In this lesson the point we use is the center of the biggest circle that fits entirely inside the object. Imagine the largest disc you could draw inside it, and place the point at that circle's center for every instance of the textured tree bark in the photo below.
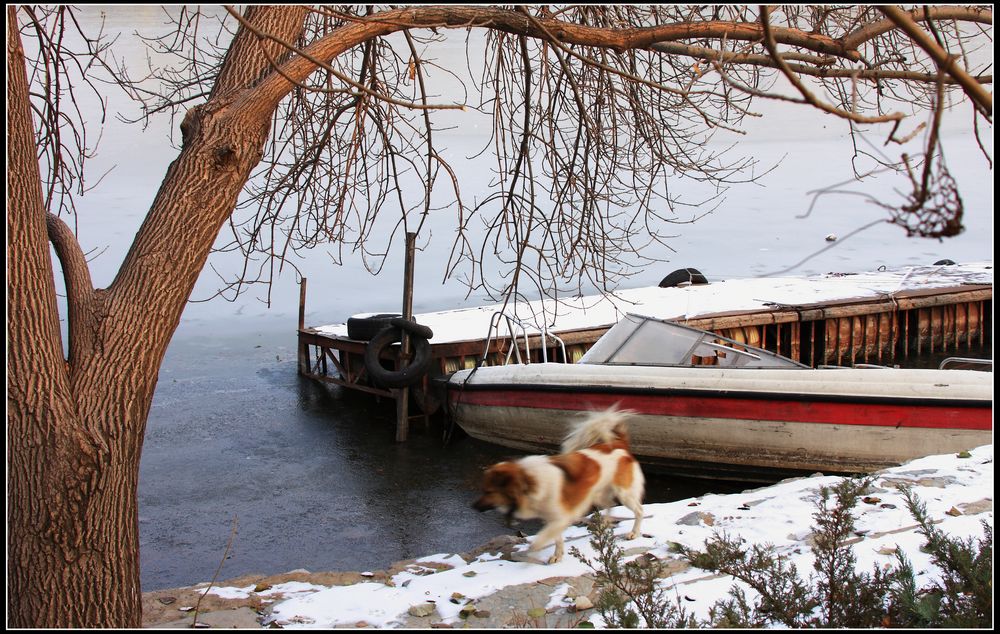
(75, 427)
(55, 464)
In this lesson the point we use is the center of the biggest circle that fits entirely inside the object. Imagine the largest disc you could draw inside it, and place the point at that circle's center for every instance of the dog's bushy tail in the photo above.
(596, 428)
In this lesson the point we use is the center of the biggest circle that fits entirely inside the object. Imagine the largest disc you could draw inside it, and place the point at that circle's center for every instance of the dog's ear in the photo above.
(521, 483)
(498, 478)
(508, 477)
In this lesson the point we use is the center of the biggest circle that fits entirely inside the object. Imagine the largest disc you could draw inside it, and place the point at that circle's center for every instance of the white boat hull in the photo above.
(738, 424)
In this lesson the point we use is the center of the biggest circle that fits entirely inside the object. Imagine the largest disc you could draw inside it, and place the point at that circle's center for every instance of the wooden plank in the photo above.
(353, 386)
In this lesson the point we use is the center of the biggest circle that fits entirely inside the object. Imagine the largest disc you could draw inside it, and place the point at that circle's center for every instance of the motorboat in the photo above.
(705, 405)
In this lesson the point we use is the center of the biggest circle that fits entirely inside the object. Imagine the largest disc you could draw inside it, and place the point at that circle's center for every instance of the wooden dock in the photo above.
(884, 317)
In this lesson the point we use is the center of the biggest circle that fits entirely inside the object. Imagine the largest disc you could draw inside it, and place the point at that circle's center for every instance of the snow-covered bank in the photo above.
(445, 588)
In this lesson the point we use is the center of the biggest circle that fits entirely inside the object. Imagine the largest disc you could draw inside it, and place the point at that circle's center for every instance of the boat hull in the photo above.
(717, 424)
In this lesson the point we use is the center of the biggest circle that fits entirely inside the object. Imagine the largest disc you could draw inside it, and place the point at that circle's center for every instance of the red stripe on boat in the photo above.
(870, 414)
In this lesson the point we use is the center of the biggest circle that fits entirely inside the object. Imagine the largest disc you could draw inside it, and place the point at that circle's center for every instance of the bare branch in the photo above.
(871, 30)
(807, 95)
(80, 294)
(595, 111)
(947, 62)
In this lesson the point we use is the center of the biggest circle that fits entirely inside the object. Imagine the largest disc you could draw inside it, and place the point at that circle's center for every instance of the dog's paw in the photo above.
(554, 559)
(631, 536)
(524, 557)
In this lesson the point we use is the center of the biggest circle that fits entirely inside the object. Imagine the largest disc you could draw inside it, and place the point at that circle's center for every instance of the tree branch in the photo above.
(771, 46)
(362, 89)
(872, 30)
(819, 66)
(297, 69)
(80, 297)
(946, 62)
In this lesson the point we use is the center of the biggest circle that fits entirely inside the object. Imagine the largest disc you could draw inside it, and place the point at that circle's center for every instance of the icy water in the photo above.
(310, 475)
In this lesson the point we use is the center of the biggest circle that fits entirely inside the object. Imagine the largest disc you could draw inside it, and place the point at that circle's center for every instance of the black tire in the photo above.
(365, 328)
(680, 276)
(405, 376)
(944, 263)
(412, 327)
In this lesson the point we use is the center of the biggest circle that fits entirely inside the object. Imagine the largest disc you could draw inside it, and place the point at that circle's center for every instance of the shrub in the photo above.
(964, 595)
(835, 594)
(630, 595)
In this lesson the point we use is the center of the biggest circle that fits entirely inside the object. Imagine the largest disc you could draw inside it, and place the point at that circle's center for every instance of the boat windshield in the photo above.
(639, 340)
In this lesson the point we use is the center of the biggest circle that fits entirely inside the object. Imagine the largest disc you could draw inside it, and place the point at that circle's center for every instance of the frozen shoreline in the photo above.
(485, 589)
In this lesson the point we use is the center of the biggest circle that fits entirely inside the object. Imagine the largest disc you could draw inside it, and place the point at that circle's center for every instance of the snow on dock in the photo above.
(746, 295)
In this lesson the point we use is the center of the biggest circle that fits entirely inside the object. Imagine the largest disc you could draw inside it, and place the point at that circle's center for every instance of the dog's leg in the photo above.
(558, 554)
(551, 533)
(633, 502)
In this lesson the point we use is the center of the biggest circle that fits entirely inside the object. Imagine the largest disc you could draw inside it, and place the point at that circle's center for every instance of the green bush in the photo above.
(630, 595)
(964, 595)
(835, 594)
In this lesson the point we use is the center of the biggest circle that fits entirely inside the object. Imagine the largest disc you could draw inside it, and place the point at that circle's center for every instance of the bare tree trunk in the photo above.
(63, 539)
(75, 428)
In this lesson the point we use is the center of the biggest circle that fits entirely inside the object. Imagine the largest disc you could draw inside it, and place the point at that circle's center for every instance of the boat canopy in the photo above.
(641, 340)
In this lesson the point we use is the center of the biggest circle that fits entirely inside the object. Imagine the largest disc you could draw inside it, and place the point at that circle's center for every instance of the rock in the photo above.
(691, 519)
(583, 603)
(422, 609)
(922, 478)
(980, 506)
(240, 618)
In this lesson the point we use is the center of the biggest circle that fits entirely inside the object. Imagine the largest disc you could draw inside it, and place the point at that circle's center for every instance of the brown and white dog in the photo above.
(594, 469)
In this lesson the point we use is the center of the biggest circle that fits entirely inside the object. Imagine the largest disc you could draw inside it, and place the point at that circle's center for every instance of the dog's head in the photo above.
(504, 486)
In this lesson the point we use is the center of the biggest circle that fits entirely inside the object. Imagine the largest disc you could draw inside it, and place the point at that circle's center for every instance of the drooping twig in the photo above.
(225, 555)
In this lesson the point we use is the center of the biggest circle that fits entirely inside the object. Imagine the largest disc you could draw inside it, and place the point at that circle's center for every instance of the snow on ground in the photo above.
(687, 302)
(957, 491)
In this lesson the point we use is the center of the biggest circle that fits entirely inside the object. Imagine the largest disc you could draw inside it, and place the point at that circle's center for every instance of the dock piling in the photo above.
(403, 394)
(304, 366)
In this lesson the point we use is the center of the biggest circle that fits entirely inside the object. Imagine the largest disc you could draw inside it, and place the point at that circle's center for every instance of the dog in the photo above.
(595, 468)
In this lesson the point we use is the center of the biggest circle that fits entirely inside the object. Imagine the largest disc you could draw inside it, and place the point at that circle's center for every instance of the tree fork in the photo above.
(75, 429)
(55, 465)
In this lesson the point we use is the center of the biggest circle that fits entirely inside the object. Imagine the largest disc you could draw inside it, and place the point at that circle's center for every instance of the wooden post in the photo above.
(403, 394)
(303, 347)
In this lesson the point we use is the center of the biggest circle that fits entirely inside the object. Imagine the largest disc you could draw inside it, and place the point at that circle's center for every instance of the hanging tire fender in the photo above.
(412, 327)
(408, 374)
(683, 277)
